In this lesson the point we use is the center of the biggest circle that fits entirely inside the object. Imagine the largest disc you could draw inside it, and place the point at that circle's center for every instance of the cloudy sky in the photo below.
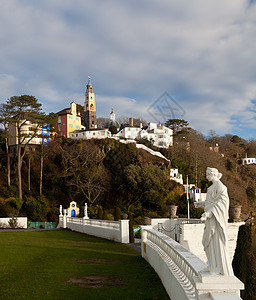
(160, 59)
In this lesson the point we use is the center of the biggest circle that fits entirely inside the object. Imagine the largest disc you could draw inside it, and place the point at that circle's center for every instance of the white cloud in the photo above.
(202, 53)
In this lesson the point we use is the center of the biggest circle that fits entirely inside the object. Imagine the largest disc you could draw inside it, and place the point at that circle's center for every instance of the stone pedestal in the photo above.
(207, 285)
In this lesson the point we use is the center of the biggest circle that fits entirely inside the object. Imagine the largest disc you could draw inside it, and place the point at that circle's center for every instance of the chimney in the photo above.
(131, 121)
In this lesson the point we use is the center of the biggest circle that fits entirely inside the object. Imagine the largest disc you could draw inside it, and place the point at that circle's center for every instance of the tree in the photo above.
(83, 168)
(113, 129)
(145, 185)
(176, 124)
(136, 121)
(101, 122)
(50, 121)
(25, 118)
(244, 264)
(80, 110)
(4, 117)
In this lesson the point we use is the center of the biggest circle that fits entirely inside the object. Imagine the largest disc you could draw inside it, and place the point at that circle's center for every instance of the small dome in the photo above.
(112, 123)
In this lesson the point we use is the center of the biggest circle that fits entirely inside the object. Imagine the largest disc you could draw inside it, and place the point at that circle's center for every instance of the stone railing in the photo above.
(112, 230)
(181, 272)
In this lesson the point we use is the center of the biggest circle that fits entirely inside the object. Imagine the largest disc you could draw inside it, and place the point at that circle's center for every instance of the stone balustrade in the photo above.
(112, 230)
(181, 271)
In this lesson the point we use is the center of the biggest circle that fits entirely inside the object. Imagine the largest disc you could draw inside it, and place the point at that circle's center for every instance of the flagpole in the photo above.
(187, 198)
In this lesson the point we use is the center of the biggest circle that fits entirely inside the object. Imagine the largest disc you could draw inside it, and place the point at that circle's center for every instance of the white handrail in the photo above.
(182, 273)
(182, 262)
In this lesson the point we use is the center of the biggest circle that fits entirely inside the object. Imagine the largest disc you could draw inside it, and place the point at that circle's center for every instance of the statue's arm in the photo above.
(199, 204)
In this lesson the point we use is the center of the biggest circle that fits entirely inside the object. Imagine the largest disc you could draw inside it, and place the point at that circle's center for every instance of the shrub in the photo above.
(100, 213)
(15, 202)
(13, 222)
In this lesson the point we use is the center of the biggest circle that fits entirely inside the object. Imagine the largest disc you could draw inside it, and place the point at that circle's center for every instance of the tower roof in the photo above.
(89, 80)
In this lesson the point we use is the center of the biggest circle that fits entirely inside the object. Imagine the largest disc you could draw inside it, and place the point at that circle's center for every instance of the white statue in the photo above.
(215, 237)
(60, 210)
(85, 212)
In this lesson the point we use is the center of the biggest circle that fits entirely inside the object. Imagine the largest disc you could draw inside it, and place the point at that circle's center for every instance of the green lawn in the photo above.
(41, 264)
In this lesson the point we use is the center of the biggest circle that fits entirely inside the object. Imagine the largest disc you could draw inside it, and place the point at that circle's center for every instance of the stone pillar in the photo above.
(208, 286)
(124, 231)
(65, 218)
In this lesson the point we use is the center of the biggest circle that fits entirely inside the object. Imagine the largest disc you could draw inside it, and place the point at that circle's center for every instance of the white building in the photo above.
(195, 193)
(128, 132)
(90, 134)
(176, 176)
(160, 136)
(248, 161)
(27, 130)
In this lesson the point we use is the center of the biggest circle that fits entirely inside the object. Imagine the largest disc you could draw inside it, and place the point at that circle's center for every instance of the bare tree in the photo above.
(84, 170)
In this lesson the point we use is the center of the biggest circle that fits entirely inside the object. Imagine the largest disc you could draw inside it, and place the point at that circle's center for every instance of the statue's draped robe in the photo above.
(215, 237)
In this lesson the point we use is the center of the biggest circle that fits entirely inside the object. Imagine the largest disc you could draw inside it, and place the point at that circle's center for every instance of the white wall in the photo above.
(112, 230)
(191, 236)
(22, 222)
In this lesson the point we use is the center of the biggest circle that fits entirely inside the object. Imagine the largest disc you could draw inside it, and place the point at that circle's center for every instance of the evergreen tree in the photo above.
(244, 263)
(23, 111)
(250, 282)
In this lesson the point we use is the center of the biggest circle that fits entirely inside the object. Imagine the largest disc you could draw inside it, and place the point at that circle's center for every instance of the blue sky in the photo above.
(200, 53)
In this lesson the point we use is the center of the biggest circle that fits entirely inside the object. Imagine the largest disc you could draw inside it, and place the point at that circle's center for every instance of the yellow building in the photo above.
(68, 121)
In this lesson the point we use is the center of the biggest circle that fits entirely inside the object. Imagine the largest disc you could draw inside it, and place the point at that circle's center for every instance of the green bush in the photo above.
(100, 213)
(15, 202)
(244, 263)
(13, 222)
(250, 282)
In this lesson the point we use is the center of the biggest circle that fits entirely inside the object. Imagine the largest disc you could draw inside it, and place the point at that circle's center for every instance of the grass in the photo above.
(37, 265)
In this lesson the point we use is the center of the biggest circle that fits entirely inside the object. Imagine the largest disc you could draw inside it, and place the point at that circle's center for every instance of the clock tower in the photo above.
(90, 107)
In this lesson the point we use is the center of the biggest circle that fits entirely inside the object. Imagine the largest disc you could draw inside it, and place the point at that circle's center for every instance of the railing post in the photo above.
(65, 219)
(124, 231)
(207, 285)
(144, 239)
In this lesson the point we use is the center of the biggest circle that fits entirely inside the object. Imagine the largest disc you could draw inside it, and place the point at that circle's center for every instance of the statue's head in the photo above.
(213, 174)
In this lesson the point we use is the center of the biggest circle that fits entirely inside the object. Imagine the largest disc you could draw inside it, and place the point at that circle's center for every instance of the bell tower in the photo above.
(90, 107)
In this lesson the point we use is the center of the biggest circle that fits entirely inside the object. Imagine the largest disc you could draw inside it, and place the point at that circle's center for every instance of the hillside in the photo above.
(111, 174)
